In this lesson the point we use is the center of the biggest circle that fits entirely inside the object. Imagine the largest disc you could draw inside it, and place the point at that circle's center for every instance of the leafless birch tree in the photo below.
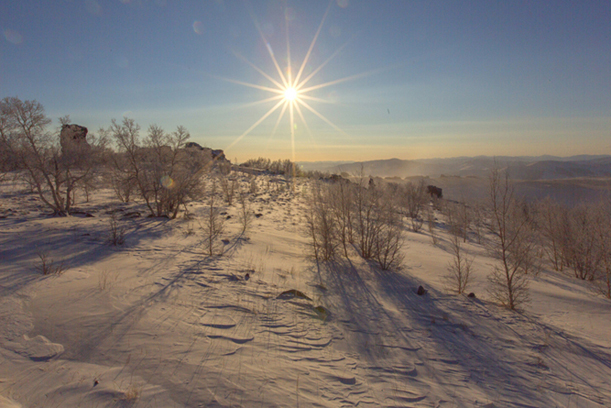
(511, 244)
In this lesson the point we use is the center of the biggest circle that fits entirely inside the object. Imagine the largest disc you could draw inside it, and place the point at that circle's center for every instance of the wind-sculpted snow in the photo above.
(157, 323)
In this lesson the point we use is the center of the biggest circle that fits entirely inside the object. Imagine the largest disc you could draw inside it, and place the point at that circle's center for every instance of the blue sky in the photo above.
(420, 78)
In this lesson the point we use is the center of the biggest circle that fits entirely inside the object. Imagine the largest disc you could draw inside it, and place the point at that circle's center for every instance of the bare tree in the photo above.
(214, 223)
(550, 226)
(7, 163)
(246, 215)
(389, 236)
(165, 173)
(459, 269)
(341, 194)
(602, 232)
(583, 251)
(477, 215)
(229, 185)
(365, 217)
(458, 218)
(511, 243)
(321, 224)
(53, 175)
(414, 199)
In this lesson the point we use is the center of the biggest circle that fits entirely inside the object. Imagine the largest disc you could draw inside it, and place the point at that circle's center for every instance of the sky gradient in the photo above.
(418, 79)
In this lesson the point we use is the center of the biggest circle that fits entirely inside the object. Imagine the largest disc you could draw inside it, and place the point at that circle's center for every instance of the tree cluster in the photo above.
(158, 168)
(368, 218)
(577, 239)
(285, 167)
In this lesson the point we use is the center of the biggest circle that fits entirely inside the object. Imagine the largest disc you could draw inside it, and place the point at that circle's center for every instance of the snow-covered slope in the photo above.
(158, 323)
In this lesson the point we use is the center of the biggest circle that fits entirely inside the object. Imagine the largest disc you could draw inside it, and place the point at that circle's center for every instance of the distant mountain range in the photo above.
(520, 168)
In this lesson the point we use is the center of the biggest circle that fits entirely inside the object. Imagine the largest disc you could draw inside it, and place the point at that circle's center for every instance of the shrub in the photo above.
(47, 266)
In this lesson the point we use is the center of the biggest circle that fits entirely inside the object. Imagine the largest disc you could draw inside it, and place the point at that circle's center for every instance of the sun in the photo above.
(290, 94)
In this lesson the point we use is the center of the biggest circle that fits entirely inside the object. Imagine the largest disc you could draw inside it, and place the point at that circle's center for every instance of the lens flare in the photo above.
(13, 36)
(167, 182)
(198, 27)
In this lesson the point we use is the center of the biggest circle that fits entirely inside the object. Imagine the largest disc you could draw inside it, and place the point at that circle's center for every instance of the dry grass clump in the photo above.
(47, 266)
(132, 394)
(116, 232)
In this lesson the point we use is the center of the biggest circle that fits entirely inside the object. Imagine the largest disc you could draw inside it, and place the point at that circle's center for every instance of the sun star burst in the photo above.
(290, 93)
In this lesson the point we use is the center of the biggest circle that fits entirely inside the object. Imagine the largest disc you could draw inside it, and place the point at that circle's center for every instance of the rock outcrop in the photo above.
(73, 138)
(216, 155)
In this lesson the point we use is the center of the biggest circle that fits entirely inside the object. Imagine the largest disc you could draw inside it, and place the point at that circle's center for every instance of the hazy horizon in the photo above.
(407, 80)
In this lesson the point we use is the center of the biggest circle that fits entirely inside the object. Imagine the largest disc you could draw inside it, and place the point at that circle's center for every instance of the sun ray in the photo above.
(307, 57)
(261, 102)
(311, 75)
(271, 136)
(259, 70)
(314, 98)
(257, 123)
(348, 78)
(269, 47)
(292, 130)
(289, 74)
(321, 116)
(261, 87)
(305, 124)
(335, 82)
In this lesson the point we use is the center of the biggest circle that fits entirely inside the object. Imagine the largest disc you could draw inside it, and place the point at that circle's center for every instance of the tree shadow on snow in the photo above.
(388, 323)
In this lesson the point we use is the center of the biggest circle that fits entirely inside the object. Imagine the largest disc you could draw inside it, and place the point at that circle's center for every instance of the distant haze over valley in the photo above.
(520, 167)
(566, 179)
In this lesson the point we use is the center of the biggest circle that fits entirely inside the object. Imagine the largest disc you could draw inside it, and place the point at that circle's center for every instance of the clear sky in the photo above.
(399, 78)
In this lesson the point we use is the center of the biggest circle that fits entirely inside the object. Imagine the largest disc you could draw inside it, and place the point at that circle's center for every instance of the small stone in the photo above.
(247, 276)
(471, 295)
(421, 291)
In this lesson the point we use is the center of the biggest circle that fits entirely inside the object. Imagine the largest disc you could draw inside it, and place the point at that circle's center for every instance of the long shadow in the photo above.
(472, 349)
(118, 324)
(361, 310)
(445, 342)
(73, 246)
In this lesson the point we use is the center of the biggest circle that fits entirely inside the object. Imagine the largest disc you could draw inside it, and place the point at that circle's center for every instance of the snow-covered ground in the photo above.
(158, 323)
